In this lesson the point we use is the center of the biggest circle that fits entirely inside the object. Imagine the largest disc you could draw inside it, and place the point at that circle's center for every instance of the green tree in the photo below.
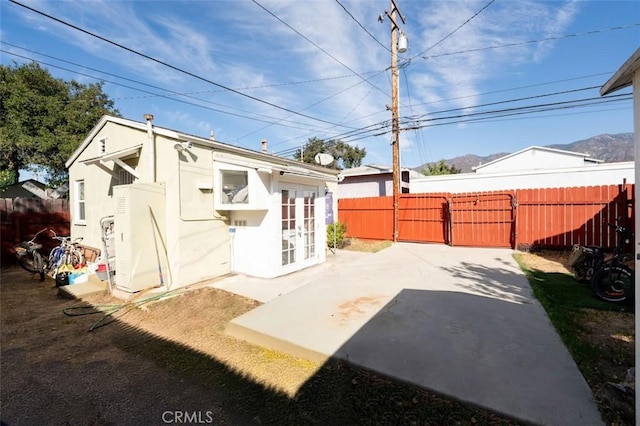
(345, 156)
(439, 168)
(44, 119)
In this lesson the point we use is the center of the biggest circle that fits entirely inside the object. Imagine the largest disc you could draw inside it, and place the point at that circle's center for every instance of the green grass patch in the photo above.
(570, 305)
(368, 246)
(564, 299)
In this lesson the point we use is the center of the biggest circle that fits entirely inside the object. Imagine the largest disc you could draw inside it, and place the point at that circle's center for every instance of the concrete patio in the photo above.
(459, 321)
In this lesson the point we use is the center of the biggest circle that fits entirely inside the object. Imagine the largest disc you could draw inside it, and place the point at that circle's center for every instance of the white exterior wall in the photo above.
(535, 159)
(601, 174)
(257, 247)
(196, 237)
(366, 186)
(99, 201)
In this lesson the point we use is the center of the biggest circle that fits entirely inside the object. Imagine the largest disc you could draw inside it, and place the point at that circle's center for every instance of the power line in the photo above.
(362, 26)
(511, 100)
(315, 104)
(456, 30)
(421, 148)
(496, 91)
(531, 41)
(513, 113)
(166, 96)
(173, 67)
(379, 128)
(532, 108)
(518, 88)
(315, 45)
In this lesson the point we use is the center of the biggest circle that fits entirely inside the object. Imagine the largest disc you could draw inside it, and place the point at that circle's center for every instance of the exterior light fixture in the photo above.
(181, 146)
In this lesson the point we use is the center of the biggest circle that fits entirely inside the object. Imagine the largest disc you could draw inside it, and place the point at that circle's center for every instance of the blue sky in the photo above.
(300, 69)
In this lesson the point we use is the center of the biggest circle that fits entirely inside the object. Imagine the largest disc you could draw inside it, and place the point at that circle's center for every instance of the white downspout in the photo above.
(151, 148)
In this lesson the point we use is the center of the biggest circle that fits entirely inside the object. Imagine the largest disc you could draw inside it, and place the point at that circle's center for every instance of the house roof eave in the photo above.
(181, 136)
(624, 76)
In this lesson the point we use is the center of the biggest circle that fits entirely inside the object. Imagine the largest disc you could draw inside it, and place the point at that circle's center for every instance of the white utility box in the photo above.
(139, 233)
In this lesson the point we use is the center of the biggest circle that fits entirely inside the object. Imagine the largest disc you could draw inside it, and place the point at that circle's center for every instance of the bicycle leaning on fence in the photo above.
(29, 257)
(67, 255)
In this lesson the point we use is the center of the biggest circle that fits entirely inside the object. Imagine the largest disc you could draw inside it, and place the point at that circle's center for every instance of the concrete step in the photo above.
(77, 291)
(260, 339)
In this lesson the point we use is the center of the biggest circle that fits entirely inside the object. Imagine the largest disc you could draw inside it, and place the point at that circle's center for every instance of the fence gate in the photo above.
(484, 220)
(423, 218)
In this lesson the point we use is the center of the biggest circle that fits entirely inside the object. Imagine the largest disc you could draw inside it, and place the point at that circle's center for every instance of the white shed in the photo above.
(187, 208)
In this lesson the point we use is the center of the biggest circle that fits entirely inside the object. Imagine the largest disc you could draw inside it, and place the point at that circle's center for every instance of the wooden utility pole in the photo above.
(395, 127)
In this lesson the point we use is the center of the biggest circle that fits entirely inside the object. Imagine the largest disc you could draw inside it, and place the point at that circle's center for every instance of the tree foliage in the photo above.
(439, 168)
(345, 156)
(44, 119)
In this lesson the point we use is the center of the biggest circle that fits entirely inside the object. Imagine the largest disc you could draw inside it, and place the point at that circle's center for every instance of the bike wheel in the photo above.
(39, 262)
(33, 263)
(54, 260)
(613, 283)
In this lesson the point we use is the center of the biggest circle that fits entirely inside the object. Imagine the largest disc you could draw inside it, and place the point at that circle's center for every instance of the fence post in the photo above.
(514, 217)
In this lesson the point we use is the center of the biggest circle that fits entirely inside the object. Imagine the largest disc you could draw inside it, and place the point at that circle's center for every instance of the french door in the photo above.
(298, 225)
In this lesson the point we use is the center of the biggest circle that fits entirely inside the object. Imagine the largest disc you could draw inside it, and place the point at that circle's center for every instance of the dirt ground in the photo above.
(162, 361)
(168, 361)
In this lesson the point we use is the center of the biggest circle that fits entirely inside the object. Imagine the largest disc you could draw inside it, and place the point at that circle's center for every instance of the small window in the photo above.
(235, 187)
(103, 146)
(80, 212)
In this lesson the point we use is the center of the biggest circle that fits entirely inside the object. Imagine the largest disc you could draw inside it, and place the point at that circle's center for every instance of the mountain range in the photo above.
(611, 148)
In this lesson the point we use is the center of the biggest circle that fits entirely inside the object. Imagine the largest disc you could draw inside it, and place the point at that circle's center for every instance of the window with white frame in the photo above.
(235, 187)
(80, 212)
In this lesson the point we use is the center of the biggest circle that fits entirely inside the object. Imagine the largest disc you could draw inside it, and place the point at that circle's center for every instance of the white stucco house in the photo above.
(186, 208)
(372, 180)
(533, 167)
(537, 158)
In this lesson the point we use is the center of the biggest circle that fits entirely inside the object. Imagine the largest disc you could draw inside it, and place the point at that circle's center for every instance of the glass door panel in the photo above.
(309, 226)
(288, 226)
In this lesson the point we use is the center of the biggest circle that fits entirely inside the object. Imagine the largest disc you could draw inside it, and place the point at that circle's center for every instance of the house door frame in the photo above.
(299, 226)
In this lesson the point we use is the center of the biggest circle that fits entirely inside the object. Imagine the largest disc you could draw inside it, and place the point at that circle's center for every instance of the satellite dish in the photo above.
(324, 159)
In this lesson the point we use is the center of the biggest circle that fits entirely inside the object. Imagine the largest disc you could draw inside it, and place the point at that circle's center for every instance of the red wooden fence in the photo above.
(555, 217)
(368, 218)
(561, 217)
(21, 218)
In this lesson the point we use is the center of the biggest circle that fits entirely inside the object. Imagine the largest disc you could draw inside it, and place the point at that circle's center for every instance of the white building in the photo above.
(533, 167)
(186, 208)
(537, 158)
(373, 180)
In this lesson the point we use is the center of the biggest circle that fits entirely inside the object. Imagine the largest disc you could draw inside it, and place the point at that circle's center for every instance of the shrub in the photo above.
(338, 230)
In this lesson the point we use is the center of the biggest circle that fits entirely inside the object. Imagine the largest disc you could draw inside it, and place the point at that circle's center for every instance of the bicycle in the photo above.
(29, 257)
(614, 281)
(66, 253)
